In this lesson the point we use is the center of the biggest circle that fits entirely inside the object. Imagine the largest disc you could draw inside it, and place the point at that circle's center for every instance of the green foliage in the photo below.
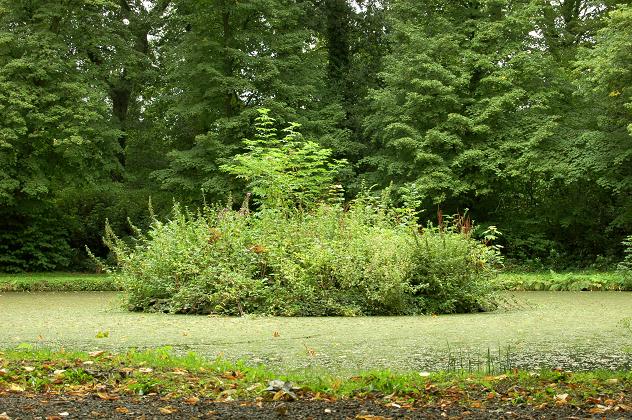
(284, 172)
(33, 239)
(54, 126)
(88, 209)
(368, 259)
(55, 282)
(517, 110)
(575, 281)
(625, 266)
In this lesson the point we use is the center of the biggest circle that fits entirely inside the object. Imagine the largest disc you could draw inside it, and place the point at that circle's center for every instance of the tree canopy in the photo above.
(518, 110)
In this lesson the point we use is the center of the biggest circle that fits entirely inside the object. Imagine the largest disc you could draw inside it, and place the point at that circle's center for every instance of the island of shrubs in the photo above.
(302, 251)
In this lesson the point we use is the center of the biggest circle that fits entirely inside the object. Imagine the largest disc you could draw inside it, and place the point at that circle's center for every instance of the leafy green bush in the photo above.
(33, 237)
(574, 281)
(366, 259)
(87, 210)
(625, 266)
(284, 172)
(302, 254)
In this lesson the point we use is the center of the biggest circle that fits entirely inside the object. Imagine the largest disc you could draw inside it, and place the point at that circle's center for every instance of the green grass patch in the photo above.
(571, 281)
(56, 282)
(159, 371)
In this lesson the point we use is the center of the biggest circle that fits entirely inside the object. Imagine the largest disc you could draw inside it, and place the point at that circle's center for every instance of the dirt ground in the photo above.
(56, 407)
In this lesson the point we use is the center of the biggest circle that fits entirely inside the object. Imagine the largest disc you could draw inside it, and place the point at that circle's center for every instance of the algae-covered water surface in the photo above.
(573, 330)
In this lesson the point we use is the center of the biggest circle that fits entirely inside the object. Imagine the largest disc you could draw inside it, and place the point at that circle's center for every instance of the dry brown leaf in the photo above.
(107, 397)
(122, 410)
(168, 410)
(4, 416)
(561, 398)
(232, 374)
(15, 388)
(476, 404)
(371, 417)
(192, 400)
(96, 353)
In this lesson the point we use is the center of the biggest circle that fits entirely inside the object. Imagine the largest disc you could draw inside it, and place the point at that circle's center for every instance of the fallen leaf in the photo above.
(192, 400)
(145, 370)
(3, 372)
(4, 416)
(232, 374)
(15, 388)
(29, 368)
(88, 363)
(168, 410)
(476, 404)
(102, 334)
(64, 414)
(122, 410)
(253, 387)
(107, 397)
(59, 372)
(596, 410)
(96, 353)
(561, 398)
(424, 374)
(370, 417)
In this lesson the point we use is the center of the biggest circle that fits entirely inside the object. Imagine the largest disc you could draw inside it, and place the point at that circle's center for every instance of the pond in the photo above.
(571, 330)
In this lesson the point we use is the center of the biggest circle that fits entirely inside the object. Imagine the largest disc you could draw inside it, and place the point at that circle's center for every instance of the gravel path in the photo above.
(52, 407)
(574, 330)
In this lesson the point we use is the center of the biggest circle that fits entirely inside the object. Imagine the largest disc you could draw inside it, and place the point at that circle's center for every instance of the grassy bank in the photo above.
(570, 281)
(111, 376)
(516, 281)
(56, 282)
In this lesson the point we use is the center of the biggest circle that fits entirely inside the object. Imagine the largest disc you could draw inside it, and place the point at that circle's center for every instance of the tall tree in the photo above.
(226, 58)
(55, 126)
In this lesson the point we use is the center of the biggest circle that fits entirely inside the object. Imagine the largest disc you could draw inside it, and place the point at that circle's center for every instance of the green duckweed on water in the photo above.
(573, 330)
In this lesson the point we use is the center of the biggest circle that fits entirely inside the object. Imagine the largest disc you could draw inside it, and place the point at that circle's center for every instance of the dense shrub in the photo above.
(625, 267)
(33, 237)
(365, 259)
(87, 209)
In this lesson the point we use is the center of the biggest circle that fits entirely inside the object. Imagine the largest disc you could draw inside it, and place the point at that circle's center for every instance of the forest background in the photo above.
(519, 111)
